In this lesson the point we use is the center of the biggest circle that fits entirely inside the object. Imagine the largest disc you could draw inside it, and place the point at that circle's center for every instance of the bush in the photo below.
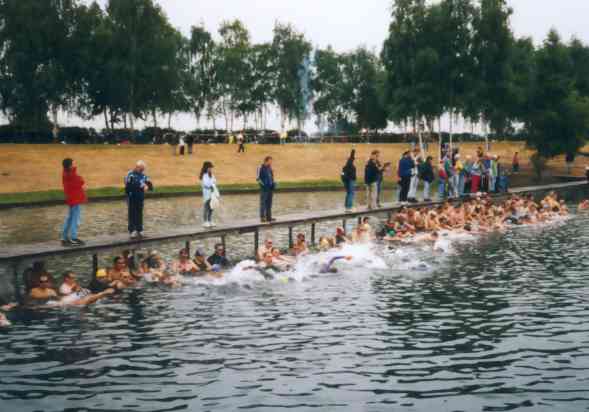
(539, 164)
(14, 134)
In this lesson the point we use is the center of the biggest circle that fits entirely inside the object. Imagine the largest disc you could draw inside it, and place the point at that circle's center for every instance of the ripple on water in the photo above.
(499, 324)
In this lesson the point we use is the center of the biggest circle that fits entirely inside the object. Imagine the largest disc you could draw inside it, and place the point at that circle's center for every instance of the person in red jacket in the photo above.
(75, 196)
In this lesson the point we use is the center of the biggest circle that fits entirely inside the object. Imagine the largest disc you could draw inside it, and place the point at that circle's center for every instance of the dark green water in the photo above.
(501, 323)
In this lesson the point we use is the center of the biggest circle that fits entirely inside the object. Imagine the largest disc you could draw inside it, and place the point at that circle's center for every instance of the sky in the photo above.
(347, 24)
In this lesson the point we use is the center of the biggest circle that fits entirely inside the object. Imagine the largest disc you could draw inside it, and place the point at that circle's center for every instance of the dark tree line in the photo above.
(460, 57)
(455, 58)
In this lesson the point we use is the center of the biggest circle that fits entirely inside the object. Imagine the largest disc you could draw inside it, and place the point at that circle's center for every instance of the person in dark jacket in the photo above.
(75, 196)
(428, 177)
(136, 184)
(218, 259)
(406, 166)
(349, 180)
(267, 185)
(371, 176)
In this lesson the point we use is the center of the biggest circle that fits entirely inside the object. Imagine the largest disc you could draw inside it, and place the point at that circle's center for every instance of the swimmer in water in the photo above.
(584, 205)
(328, 267)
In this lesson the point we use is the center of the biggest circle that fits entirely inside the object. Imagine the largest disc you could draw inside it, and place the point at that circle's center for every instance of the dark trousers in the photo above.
(266, 204)
(182, 150)
(135, 207)
(405, 184)
(241, 148)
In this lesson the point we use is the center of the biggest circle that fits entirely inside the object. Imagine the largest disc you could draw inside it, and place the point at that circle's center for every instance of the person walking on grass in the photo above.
(349, 180)
(265, 178)
(136, 184)
(75, 195)
(210, 193)
(241, 142)
(371, 176)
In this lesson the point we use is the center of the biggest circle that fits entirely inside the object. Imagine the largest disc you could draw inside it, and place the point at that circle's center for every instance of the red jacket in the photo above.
(73, 188)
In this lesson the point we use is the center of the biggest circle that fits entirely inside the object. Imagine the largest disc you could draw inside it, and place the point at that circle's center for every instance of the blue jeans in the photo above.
(207, 214)
(266, 204)
(442, 188)
(350, 192)
(72, 221)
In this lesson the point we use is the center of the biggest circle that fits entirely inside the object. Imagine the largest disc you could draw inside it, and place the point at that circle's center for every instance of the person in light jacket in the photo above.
(209, 191)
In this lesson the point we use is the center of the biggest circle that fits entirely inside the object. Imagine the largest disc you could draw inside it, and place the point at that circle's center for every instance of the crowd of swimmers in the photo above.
(474, 215)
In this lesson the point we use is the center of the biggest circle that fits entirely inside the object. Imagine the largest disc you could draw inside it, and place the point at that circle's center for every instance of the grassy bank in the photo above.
(37, 168)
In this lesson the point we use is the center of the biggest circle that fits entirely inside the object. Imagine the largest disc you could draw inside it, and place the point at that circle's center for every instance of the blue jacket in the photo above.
(406, 166)
(266, 178)
(135, 183)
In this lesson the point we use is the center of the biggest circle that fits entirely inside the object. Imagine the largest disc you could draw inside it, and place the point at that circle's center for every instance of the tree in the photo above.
(201, 81)
(493, 46)
(328, 84)
(291, 52)
(263, 80)
(362, 73)
(37, 39)
(558, 121)
(232, 70)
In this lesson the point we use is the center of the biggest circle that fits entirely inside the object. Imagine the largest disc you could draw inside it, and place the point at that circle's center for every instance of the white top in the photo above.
(209, 185)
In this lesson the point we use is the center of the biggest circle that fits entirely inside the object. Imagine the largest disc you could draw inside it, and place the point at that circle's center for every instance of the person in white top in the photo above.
(210, 193)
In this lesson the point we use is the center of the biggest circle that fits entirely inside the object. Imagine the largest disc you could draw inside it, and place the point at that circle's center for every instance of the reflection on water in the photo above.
(498, 324)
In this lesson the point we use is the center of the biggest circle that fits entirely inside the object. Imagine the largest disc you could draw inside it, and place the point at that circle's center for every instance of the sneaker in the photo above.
(212, 224)
(349, 210)
(134, 235)
(66, 243)
(78, 242)
(271, 220)
(263, 220)
(206, 224)
(140, 235)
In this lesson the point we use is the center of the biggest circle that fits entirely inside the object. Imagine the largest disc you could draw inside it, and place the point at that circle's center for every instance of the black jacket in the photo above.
(349, 171)
(427, 172)
(371, 172)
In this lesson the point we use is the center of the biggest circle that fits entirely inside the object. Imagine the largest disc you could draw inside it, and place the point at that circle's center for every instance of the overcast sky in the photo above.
(346, 24)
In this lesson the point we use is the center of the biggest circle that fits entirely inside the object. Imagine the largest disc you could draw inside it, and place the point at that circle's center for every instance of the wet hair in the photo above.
(68, 275)
(365, 219)
(114, 261)
(67, 164)
(205, 169)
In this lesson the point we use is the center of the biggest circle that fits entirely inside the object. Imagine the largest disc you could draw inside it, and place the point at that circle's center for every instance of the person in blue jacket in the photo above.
(406, 166)
(267, 185)
(136, 184)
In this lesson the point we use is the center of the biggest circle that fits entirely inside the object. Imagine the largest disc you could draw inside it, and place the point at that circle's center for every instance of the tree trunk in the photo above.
(451, 131)
(105, 119)
(170, 120)
(487, 146)
(112, 121)
(154, 114)
(440, 137)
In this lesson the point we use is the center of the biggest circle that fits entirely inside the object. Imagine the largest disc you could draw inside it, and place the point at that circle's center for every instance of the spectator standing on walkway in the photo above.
(414, 183)
(371, 176)
(265, 178)
(349, 177)
(427, 175)
(210, 193)
(75, 196)
(136, 184)
(406, 166)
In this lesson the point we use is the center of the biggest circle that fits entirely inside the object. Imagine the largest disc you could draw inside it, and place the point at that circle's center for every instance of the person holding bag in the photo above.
(210, 193)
